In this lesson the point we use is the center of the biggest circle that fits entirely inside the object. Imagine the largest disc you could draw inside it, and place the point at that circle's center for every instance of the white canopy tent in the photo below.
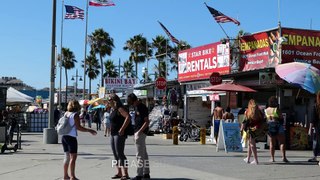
(16, 97)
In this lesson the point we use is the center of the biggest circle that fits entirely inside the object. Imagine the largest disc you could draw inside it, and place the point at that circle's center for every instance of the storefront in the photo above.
(195, 68)
(260, 54)
(154, 96)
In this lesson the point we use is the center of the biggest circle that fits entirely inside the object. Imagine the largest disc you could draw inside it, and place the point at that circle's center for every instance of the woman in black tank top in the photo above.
(119, 119)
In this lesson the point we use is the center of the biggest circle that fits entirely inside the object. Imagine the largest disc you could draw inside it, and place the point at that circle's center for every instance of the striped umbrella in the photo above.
(301, 74)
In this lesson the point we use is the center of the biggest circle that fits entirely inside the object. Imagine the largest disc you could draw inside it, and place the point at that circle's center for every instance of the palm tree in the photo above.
(162, 70)
(68, 62)
(161, 45)
(183, 45)
(127, 69)
(93, 67)
(102, 44)
(110, 69)
(138, 47)
(145, 78)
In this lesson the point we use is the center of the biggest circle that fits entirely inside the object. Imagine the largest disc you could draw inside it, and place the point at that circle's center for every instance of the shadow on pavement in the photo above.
(291, 163)
(194, 156)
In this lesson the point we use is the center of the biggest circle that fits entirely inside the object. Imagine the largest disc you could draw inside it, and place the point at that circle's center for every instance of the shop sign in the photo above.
(301, 46)
(229, 137)
(215, 78)
(262, 50)
(119, 83)
(257, 51)
(198, 63)
(214, 97)
(161, 83)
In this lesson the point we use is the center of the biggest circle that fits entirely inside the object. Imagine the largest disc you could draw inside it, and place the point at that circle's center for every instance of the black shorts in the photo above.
(70, 144)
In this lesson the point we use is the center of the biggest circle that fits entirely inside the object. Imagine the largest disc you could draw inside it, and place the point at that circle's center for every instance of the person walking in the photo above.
(97, 118)
(90, 115)
(69, 141)
(314, 129)
(228, 116)
(106, 121)
(276, 128)
(82, 116)
(119, 121)
(253, 126)
(141, 129)
(217, 117)
(56, 115)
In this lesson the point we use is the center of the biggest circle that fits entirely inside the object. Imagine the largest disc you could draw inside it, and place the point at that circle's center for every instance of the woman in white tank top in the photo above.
(69, 141)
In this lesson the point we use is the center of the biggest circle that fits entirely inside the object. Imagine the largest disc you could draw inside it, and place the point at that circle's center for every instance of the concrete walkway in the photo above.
(188, 160)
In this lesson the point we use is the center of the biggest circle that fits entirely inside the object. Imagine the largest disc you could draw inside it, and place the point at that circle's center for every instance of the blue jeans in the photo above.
(117, 146)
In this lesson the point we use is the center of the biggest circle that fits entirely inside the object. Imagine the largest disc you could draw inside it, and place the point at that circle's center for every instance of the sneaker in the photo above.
(285, 160)
(314, 159)
(254, 162)
(246, 160)
(146, 177)
(137, 178)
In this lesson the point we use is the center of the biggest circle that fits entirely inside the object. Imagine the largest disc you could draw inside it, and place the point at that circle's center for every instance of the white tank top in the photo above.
(73, 131)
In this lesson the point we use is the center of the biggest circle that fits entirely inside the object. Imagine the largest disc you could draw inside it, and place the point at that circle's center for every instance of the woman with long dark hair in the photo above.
(119, 119)
(276, 128)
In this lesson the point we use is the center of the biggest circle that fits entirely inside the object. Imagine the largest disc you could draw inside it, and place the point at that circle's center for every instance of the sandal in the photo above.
(116, 177)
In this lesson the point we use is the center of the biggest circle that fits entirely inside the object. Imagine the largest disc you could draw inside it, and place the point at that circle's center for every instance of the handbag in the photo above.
(245, 124)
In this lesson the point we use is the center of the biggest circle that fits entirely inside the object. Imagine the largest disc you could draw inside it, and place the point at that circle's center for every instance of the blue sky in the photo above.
(25, 31)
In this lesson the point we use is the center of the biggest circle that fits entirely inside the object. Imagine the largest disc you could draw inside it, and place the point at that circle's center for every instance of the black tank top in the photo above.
(117, 121)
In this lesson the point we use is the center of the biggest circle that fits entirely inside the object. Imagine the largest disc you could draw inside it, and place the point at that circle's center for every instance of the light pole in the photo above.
(61, 57)
(75, 77)
(50, 136)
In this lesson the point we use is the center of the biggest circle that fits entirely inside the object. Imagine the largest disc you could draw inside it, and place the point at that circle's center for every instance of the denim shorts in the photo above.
(275, 128)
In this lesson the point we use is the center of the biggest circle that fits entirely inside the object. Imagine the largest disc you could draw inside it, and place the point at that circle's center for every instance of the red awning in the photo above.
(229, 87)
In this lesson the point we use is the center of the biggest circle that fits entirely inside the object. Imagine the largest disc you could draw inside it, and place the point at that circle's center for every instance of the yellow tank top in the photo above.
(272, 114)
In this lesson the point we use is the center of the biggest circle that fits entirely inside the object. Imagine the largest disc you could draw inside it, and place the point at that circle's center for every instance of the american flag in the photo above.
(221, 18)
(173, 39)
(73, 12)
(101, 3)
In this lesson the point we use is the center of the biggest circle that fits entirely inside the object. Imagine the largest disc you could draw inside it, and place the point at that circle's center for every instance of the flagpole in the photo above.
(279, 44)
(279, 11)
(60, 64)
(224, 31)
(85, 53)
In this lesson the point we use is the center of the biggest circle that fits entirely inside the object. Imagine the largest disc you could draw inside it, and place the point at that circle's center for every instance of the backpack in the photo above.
(63, 127)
